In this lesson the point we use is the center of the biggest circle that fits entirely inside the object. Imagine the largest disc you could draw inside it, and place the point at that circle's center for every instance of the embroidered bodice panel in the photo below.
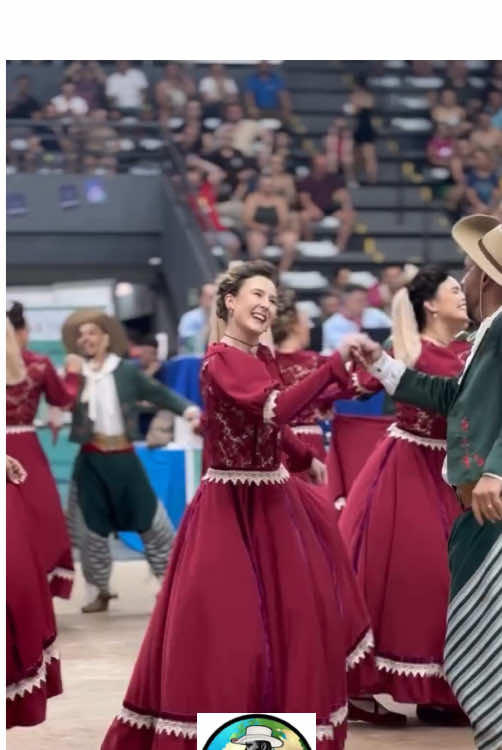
(41, 379)
(235, 386)
(445, 361)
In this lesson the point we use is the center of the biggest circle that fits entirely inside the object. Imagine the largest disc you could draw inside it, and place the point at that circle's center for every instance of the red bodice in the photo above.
(293, 367)
(446, 361)
(235, 386)
(41, 379)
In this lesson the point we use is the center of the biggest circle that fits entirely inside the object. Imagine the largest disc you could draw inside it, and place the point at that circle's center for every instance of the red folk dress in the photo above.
(259, 610)
(396, 524)
(43, 505)
(32, 663)
(293, 367)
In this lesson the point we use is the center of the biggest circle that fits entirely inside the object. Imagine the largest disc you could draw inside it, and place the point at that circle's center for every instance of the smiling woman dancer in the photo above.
(259, 610)
(400, 512)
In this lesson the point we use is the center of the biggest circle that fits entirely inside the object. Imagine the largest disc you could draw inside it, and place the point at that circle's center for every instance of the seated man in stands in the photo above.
(266, 94)
(193, 325)
(478, 191)
(354, 316)
(323, 193)
(22, 104)
(126, 88)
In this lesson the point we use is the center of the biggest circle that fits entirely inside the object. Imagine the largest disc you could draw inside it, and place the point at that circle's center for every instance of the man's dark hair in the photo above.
(150, 340)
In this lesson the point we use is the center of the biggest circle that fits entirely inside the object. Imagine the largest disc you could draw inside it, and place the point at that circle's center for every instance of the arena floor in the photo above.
(98, 652)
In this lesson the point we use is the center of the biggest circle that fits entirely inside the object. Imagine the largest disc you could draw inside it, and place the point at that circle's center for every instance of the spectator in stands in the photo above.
(361, 105)
(479, 191)
(457, 79)
(101, 141)
(203, 179)
(67, 103)
(449, 112)
(216, 90)
(495, 107)
(189, 140)
(193, 112)
(495, 80)
(127, 88)
(354, 316)
(33, 155)
(339, 149)
(282, 182)
(173, 91)
(341, 279)
(89, 79)
(485, 135)
(441, 147)
(22, 104)
(246, 132)
(266, 94)
(330, 304)
(267, 221)
(232, 162)
(322, 194)
(193, 328)
(392, 278)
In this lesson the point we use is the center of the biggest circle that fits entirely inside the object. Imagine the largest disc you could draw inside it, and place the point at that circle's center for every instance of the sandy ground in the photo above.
(98, 653)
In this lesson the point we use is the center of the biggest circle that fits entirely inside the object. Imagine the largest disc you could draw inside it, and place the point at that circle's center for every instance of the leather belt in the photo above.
(109, 443)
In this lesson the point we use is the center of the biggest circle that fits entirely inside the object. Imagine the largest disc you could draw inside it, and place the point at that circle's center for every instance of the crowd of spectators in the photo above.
(253, 184)
(465, 149)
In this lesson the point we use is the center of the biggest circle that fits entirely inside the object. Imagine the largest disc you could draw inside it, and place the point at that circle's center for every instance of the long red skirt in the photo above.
(396, 525)
(259, 612)
(44, 512)
(32, 665)
(353, 439)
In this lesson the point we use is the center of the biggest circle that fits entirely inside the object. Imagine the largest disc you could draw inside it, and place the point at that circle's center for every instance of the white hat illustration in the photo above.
(257, 733)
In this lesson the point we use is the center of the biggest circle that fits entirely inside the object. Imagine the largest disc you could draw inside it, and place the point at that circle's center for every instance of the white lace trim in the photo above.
(363, 647)
(68, 575)
(434, 443)
(408, 668)
(30, 684)
(269, 407)
(339, 716)
(340, 503)
(307, 429)
(18, 429)
(361, 390)
(236, 476)
(160, 726)
(324, 732)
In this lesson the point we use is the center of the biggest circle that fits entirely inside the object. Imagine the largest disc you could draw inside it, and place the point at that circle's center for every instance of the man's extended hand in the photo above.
(487, 500)
(355, 342)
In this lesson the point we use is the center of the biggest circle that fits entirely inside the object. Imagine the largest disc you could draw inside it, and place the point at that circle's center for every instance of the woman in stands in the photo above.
(267, 221)
(361, 105)
(32, 665)
(41, 494)
(399, 514)
(259, 610)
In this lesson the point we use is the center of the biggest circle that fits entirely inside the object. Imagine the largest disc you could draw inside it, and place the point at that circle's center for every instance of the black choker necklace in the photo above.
(234, 338)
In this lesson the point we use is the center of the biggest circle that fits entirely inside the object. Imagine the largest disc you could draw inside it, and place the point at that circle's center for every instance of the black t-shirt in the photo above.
(24, 108)
(231, 161)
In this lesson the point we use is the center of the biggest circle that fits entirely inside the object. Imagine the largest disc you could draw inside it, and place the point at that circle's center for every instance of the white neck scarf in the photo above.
(92, 377)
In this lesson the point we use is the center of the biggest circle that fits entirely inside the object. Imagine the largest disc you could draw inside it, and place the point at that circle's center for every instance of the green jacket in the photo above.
(472, 405)
(132, 386)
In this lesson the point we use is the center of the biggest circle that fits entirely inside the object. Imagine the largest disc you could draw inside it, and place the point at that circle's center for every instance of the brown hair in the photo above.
(286, 317)
(235, 277)
(15, 368)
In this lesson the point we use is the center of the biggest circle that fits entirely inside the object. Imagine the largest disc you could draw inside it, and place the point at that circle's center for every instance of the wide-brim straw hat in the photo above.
(112, 326)
(257, 733)
(480, 237)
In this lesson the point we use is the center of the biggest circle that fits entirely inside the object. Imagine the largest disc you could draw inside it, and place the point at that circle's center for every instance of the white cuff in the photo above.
(495, 476)
(388, 371)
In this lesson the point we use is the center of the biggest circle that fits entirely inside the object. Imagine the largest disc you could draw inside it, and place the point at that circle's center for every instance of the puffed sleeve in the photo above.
(247, 381)
(58, 391)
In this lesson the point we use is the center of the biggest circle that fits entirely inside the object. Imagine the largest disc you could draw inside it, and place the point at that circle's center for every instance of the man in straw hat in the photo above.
(113, 491)
(473, 407)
